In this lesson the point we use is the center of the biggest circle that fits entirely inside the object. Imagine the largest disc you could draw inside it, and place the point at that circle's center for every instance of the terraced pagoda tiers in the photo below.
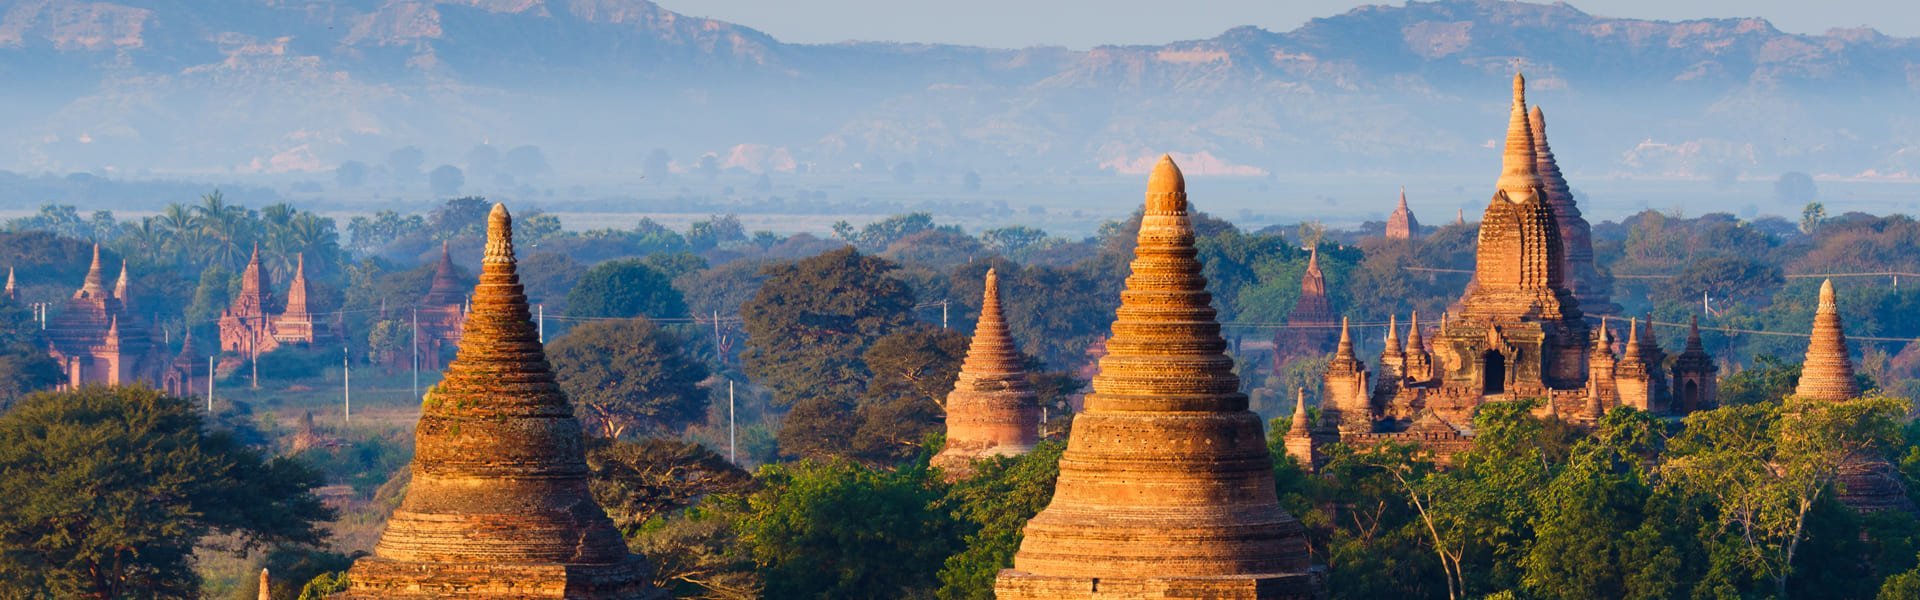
(1166, 488)
(991, 411)
(498, 507)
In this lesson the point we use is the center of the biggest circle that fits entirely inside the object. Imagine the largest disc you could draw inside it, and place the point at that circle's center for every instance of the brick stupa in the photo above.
(1166, 489)
(991, 411)
(1868, 482)
(498, 506)
(1828, 373)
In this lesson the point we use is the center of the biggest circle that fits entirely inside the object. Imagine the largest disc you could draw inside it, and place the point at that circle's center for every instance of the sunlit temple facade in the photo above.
(1519, 331)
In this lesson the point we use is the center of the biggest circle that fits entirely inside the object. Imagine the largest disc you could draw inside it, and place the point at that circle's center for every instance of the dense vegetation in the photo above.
(764, 405)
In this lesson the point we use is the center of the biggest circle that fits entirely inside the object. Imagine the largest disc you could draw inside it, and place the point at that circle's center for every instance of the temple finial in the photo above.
(1519, 171)
(499, 237)
(1166, 187)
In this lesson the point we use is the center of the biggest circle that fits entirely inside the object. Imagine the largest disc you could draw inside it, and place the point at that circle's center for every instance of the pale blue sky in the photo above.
(1085, 23)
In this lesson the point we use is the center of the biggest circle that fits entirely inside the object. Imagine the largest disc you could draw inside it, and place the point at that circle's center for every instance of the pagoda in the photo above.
(1868, 483)
(992, 411)
(246, 326)
(442, 312)
(498, 506)
(1401, 225)
(97, 340)
(1518, 332)
(1166, 488)
(1576, 236)
(1311, 323)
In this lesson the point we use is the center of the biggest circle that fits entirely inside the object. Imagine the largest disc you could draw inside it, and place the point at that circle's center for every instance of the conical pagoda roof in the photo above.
(992, 411)
(499, 471)
(1828, 372)
(1166, 480)
(445, 289)
(95, 285)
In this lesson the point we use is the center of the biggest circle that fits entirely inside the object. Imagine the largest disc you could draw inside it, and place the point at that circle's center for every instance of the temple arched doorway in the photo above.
(1494, 373)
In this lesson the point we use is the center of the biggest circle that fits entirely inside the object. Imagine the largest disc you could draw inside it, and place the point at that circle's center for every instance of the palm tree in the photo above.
(226, 229)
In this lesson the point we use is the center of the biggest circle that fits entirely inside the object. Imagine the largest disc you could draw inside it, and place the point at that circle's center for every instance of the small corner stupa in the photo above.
(1166, 489)
(499, 506)
(991, 410)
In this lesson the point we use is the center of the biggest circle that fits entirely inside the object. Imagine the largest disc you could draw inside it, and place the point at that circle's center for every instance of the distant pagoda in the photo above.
(1401, 225)
(1311, 323)
(1828, 372)
(1166, 488)
(98, 339)
(992, 411)
(1868, 483)
(499, 506)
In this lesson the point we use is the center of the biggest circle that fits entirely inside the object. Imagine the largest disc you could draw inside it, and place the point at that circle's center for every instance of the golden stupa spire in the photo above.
(1344, 352)
(1166, 482)
(1300, 425)
(1828, 372)
(95, 285)
(1519, 170)
(499, 503)
(1415, 342)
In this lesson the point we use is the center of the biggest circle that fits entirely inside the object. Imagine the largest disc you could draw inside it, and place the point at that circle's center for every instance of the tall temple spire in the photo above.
(11, 293)
(95, 286)
(297, 289)
(992, 411)
(1300, 425)
(1166, 488)
(1393, 344)
(1828, 372)
(499, 504)
(1578, 272)
(1519, 169)
(123, 287)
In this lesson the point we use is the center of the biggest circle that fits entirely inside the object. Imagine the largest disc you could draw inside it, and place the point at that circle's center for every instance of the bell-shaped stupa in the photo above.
(1166, 488)
(499, 506)
(991, 411)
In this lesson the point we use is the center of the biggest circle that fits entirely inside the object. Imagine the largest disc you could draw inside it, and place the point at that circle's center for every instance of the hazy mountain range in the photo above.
(183, 87)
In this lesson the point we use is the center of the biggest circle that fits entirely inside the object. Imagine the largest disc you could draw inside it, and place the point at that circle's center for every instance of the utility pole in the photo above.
(253, 347)
(718, 353)
(210, 383)
(346, 379)
(943, 314)
(416, 352)
(733, 452)
(540, 320)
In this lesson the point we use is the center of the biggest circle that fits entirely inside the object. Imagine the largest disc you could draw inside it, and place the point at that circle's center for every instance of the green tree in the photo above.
(639, 481)
(1766, 468)
(813, 320)
(1592, 519)
(839, 530)
(996, 503)
(629, 376)
(109, 490)
(622, 289)
(24, 364)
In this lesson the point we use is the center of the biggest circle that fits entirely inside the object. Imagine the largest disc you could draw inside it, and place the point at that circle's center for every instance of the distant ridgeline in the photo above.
(271, 88)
